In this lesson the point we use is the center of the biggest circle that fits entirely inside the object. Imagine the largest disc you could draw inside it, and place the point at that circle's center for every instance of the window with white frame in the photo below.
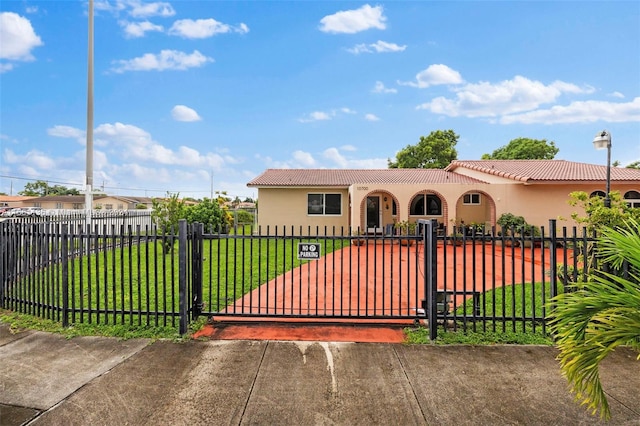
(632, 198)
(324, 204)
(472, 198)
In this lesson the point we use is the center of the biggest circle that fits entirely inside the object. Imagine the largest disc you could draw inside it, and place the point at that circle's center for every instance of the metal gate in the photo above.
(307, 275)
(476, 280)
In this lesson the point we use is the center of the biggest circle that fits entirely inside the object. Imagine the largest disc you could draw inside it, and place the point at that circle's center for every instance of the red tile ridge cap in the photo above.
(500, 173)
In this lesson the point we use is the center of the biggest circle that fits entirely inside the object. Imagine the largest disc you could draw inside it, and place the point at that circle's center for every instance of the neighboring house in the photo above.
(76, 202)
(116, 202)
(14, 200)
(479, 191)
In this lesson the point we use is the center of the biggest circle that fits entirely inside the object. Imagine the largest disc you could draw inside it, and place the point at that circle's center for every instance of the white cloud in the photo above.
(5, 68)
(368, 163)
(435, 74)
(138, 29)
(34, 158)
(31, 9)
(136, 8)
(336, 159)
(616, 95)
(135, 144)
(380, 88)
(331, 158)
(580, 112)
(60, 131)
(315, 116)
(129, 157)
(18, 38)
(304, 158)
(324, 115)
(203, 28)
(371, 117)
(486, 99)
(378, 47)
(143, 10)
(165, 60)
(184, 113)
(333, 155)
(353, 21)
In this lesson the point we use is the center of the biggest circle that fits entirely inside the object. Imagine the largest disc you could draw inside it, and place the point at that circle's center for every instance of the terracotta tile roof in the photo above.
(15, 198)
(347, 177)
(546, 170)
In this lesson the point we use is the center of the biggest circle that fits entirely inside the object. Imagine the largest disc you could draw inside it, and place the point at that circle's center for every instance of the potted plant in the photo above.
(356, 240)
(529, 233)
(457, 237)
(510, 225)
(405, 228)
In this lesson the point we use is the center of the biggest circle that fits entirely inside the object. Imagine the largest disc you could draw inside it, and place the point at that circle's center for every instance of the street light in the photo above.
(602, 141)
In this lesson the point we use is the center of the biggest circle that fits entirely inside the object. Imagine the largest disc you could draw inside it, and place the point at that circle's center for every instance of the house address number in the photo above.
(362, 188)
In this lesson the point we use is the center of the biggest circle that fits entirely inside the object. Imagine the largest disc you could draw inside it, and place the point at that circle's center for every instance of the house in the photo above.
(14, 200)
(76, 202)
(325, 201)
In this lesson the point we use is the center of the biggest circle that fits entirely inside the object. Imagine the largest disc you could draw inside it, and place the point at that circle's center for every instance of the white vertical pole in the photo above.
(88, 195)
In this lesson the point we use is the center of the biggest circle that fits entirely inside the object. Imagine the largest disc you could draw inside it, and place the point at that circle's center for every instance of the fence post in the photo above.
(182, 275)
(196, 270)
(65, 275)
(430, 244)
(553, 257)
(4, 258)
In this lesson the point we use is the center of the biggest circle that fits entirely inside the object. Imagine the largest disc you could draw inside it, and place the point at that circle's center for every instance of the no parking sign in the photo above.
(307, 251)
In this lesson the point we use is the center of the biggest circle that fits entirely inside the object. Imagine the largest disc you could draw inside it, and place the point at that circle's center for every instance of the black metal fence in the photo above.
(133, 275)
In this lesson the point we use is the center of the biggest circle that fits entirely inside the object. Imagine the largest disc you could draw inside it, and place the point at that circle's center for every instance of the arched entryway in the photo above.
(378, 212)
(475, 208)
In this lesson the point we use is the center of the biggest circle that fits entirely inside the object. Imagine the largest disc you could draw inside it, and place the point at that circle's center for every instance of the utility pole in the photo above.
(88, 195)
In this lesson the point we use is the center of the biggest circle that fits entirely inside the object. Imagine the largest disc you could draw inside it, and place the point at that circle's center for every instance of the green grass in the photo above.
(420, 335)
(522, 306)
(20, 322)
(140, 279)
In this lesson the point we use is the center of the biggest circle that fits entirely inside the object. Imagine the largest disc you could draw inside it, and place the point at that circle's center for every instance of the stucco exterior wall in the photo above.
(281, 209)
(537, 203)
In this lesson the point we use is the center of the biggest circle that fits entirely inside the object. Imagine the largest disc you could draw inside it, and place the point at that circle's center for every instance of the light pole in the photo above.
(88, 195)
(602, 141)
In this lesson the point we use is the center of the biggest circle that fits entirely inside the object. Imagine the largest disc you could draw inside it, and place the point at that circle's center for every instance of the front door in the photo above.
(373, 214)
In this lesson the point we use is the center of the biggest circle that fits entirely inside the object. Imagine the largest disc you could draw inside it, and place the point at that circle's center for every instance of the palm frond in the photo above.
(594, 317)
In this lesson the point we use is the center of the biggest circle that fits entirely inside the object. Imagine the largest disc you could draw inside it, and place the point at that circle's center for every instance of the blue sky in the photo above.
(195, 96)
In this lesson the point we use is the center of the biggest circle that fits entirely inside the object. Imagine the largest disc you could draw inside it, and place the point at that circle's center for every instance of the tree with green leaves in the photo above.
(524, 149)
(209, 213)
(596, 216)
(165, 213)
(434, 151)
(634, 165)
(591, 319)
(41, 188)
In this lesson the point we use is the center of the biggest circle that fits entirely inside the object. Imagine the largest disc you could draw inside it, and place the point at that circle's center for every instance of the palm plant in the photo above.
(593, 318)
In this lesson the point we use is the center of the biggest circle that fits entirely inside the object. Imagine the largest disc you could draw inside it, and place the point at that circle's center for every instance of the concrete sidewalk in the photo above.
(47, 379)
